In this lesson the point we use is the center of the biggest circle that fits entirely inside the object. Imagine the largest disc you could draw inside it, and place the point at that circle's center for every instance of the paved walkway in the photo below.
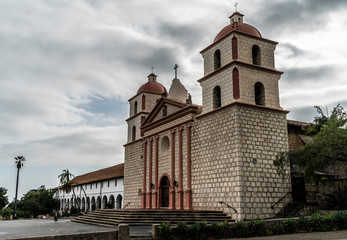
(32, 228)
(44, 227)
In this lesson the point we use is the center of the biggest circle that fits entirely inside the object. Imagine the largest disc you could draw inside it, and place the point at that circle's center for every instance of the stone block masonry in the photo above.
(233, 150)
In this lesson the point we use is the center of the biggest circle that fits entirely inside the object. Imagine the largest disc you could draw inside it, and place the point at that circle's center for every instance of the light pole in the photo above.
(19, 163)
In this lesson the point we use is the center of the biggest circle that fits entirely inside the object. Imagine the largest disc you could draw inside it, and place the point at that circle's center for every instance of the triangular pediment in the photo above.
(170, 106)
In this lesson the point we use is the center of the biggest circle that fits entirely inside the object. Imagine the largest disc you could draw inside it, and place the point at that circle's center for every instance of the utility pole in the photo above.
(19, 163)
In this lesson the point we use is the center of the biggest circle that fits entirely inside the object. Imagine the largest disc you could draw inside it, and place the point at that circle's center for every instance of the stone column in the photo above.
(123, 232)
(188, 191)
(180, 170)
(149, 193)
(143, 196)
(172, 186)
(156, 172)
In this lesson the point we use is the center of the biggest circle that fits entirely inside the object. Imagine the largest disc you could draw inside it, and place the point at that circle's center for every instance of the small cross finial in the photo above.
(152, 69)
(176, 66)
(236, 6)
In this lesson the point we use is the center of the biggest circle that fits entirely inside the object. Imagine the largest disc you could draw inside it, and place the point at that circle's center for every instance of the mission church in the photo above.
(183, 156)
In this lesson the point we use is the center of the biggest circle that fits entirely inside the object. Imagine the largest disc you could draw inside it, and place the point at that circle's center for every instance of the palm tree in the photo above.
(66, 182)
(19, 163)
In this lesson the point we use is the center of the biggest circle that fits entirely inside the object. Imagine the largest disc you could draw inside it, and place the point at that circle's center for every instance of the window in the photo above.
(91, 186)
(259, 93)
(115, 181)
(102, 184)
(164, 111)
(133, 134)
(217, 62)
(216, 97)
(86, 187)
(165, 145)
(108, 183)
(96, 185)
(135, 107)
(234, 48)
(236, 87)
(256, 55)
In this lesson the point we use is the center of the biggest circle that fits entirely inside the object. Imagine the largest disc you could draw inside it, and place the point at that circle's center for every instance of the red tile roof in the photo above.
(297, 123)
(98, 175)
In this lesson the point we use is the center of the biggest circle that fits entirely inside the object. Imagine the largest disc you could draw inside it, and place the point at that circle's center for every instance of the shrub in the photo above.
(338, 199)
(6, 213)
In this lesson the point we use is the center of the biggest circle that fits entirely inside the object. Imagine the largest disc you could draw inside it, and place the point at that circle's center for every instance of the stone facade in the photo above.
(194, 157)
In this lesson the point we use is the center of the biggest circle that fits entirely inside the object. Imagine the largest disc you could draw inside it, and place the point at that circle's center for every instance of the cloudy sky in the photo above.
(67, 69)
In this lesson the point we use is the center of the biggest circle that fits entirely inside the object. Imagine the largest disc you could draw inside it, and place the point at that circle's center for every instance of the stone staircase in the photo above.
(136, 217)
(292, 209)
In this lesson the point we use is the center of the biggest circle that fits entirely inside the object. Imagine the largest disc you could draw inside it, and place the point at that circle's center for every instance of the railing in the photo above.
(221, 202)
(273, 205)
(126, 205)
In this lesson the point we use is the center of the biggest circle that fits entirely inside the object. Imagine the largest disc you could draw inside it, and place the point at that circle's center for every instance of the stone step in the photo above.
(109, 217)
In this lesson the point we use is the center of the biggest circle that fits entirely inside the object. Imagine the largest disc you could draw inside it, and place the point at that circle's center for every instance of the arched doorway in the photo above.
(93, 204)
(119, 202)
(83, 204)
(88, 204)
(98, 201)
(104, 202)
(111, 202)
(164, 192)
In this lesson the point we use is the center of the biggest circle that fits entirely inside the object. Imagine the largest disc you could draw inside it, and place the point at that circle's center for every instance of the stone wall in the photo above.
(316, 192)
(233, 150)
(133, 172)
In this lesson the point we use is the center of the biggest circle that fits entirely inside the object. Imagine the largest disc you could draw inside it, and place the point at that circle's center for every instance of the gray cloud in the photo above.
(309, 74)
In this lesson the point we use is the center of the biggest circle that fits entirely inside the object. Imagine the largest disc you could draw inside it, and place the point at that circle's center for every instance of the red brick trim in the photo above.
(234, 50)
(172, 204)
(236, 87)
(156, 170)
(188, 191)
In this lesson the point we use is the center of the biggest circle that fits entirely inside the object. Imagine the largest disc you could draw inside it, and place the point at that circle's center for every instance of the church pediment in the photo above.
(167, 109)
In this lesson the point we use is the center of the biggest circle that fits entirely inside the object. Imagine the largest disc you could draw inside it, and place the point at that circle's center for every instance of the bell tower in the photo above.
(142, 104)
(242, 126)
(239, 66)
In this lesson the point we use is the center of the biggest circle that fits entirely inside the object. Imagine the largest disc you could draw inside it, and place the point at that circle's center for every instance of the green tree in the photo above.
(66, 183)
(3, 197)
(328, 147)
(35, 202)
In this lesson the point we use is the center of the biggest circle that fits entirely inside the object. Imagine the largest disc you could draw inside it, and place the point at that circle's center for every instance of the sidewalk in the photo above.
(43, 227)
(336, 235)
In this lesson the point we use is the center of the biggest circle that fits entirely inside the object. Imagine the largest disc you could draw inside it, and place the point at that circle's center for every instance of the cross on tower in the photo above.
(152, 69)
(236, 6)
(176, 66)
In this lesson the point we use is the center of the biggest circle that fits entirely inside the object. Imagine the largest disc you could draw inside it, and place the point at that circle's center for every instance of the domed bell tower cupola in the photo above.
(239, 66)
(142, 104)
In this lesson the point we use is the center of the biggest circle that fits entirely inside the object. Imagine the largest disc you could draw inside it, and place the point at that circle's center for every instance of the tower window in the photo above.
(259, 93)
(216, 97)
(234, 48)
(217, 62)
(165, 145)
(164, 111)
(135, 107)
(133, 133)
(256, 55)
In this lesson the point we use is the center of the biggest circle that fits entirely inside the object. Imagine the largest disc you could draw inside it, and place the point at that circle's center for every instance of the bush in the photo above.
(201, 230)
(338, 199)
(6, 213)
